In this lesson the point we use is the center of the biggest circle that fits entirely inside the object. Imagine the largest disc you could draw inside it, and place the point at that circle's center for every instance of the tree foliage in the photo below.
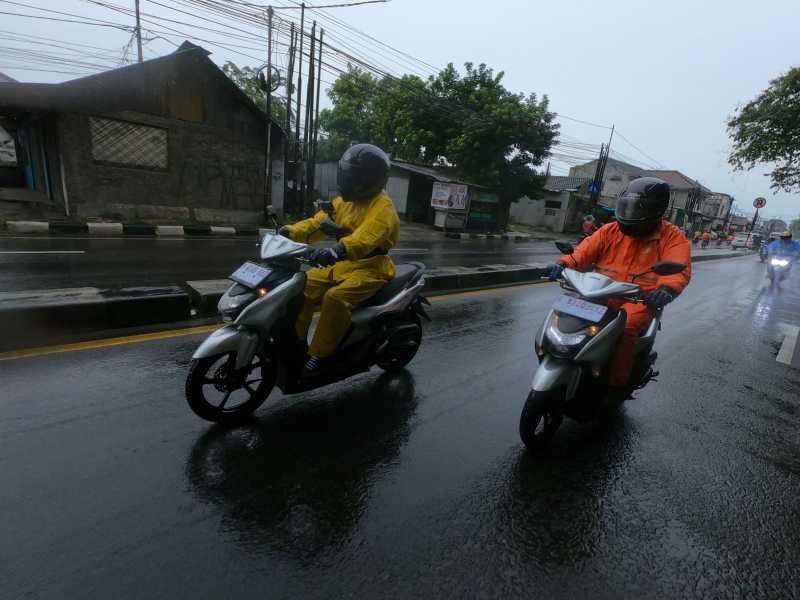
(767, 130)
(468, 123)
(248, 81)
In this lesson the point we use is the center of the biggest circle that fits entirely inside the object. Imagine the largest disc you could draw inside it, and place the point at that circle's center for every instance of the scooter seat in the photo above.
(404, 274)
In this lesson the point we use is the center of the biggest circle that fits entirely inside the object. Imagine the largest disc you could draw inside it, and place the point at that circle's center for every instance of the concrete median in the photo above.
(47, 317)
(57, 316)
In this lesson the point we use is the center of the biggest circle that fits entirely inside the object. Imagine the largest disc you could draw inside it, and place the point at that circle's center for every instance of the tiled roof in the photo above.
(557, 183)
(678, 180)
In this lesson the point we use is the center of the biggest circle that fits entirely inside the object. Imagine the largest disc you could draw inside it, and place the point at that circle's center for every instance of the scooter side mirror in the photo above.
(565, 247)
(666, 267)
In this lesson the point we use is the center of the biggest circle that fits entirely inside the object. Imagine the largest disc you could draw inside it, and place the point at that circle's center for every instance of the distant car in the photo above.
(741, 241)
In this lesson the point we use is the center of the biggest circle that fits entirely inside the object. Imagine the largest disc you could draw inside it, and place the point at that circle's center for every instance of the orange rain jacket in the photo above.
(621, 256)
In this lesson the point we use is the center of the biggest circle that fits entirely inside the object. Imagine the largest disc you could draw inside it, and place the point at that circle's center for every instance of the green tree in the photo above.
(795, 227)
(767, 130)
(248, 81)
(472, 124)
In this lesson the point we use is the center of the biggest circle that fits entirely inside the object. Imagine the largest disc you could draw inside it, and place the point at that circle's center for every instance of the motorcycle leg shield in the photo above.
(229, 339)
(553, 373)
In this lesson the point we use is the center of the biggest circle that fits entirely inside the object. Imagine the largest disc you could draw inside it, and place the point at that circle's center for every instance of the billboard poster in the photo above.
(449, 196)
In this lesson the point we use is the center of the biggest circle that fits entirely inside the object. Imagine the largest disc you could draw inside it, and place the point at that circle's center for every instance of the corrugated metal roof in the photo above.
(556, 183)
(432, 173)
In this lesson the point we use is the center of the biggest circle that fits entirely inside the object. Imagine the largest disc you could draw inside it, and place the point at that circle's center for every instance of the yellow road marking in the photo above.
(173, 333)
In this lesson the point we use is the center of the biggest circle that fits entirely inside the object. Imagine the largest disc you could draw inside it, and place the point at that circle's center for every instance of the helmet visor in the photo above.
(631, 208)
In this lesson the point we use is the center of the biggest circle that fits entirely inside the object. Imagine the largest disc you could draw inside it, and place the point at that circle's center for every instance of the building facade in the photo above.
(557, 207)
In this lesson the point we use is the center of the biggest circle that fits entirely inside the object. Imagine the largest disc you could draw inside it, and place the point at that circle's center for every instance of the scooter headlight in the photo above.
(779, 262)
(558, 337)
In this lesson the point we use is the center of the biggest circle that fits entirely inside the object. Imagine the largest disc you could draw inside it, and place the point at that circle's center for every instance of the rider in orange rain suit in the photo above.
(631, 245)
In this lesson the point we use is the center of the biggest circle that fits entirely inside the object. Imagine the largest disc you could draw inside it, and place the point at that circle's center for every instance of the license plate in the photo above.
(250, 274)
(580, 308)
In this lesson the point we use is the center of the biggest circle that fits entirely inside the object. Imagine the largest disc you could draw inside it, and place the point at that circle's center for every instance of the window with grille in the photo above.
(552, 204)
(128, 144)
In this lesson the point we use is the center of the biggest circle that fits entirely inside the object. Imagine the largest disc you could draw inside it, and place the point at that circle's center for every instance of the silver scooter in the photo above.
(236, 368)
(575, 345)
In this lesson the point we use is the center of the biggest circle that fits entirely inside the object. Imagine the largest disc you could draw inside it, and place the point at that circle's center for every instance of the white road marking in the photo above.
(789, 344)
(42, 251)
(409, 250)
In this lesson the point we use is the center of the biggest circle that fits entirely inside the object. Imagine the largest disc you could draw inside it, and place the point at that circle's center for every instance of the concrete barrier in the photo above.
(55, 316)
(217, 230)
(36, 318)
(169, 230)
(28, 226)
(104, 228)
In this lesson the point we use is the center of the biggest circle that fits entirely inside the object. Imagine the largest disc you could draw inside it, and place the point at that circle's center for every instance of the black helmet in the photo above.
(641, 205)
(363, 171)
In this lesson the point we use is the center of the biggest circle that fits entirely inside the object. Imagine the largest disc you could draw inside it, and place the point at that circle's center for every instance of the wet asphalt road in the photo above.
(33, 263)
(417, 485)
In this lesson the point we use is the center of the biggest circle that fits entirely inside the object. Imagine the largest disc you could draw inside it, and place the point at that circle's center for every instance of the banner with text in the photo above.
(450, 196)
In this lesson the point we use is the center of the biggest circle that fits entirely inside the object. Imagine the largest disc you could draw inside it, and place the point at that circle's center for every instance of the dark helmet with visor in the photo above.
(641, 205)
(786, 235)
(363, 171)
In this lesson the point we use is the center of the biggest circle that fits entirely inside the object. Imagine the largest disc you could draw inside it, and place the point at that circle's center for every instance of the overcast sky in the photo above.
(667, 74)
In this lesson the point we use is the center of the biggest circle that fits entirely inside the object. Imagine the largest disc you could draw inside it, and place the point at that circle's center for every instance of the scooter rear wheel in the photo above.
(217, 392)
(403, 341)
(538, 422)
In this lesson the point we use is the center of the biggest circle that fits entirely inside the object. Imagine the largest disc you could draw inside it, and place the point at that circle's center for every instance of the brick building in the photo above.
(170, 139)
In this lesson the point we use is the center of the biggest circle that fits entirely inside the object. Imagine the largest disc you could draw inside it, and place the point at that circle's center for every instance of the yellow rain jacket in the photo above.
(375, 226)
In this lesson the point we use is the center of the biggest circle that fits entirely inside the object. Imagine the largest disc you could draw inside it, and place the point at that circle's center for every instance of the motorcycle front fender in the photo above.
(554, 373)
(227, 339)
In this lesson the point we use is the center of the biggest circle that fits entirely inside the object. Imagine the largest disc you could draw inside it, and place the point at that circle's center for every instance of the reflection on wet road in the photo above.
(416, 485)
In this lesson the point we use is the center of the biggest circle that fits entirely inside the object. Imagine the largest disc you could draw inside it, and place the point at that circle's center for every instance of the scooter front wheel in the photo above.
(538, 421)
(216, 391)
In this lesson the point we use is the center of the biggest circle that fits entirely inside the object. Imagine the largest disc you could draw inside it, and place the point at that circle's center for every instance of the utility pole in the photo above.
(316, 115)
(287, 139)
(308, 186)
(268, 150)
(138, 32)
(297, 149)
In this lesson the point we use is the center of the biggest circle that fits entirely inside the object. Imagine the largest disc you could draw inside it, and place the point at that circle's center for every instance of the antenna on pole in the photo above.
(138, 32)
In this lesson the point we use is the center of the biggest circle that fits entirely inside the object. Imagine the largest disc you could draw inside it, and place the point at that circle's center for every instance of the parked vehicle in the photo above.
(236, 368)
(741, 241)
(575, 345)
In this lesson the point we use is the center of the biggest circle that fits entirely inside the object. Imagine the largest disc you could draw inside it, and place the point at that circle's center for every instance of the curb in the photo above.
(516, 237)
(93, 228)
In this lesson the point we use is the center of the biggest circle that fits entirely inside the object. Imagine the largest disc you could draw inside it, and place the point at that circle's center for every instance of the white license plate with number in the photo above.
(580, 308)
(250, 274)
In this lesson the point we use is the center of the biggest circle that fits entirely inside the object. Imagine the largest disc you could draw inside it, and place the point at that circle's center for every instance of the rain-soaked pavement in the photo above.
(416, 485)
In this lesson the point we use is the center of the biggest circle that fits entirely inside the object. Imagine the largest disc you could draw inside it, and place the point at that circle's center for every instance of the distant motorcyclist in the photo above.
(589, 225)
(638, 239)
(366, 225)
(785, 246)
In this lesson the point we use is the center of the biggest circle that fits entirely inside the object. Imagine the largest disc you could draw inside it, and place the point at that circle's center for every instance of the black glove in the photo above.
(333, 230)
(325, 257)
(285, 232)
(659, 297)
(555, 271)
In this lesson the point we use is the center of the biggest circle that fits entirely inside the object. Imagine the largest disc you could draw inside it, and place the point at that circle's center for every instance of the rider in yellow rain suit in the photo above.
(358, 266)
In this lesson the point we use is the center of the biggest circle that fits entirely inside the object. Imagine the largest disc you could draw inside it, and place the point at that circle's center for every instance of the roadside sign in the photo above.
(452, 196)
(760, 202)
